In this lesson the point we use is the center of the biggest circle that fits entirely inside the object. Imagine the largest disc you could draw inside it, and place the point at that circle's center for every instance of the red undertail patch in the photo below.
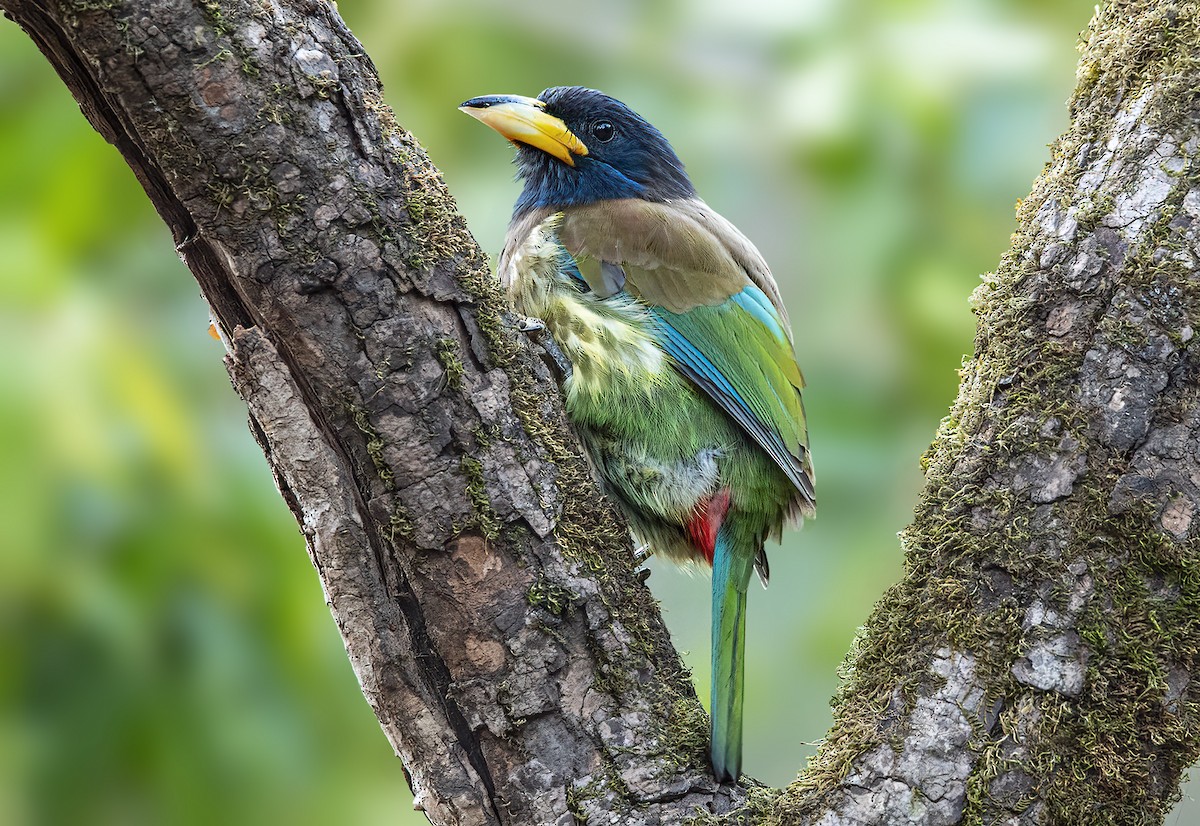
(706, 521)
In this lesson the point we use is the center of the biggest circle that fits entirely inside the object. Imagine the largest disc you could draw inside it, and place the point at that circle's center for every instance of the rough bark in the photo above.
(1035, 665)
(1037, 662)
(483, 588)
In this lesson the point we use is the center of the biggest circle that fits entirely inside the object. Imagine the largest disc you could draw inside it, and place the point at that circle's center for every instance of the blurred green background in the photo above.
(165, 652)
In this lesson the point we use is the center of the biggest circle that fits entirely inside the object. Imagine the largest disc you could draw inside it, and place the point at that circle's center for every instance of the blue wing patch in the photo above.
(755, 301)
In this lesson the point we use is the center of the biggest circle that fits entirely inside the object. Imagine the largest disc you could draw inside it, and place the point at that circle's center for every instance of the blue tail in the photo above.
(731, 575)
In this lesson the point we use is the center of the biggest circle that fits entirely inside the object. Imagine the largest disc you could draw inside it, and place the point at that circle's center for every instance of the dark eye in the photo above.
(603, 131)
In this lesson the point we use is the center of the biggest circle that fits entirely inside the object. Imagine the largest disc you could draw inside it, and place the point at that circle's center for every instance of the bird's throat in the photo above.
(608, 341)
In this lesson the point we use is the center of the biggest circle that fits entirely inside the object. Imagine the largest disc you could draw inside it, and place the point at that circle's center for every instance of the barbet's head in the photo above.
(577, 146)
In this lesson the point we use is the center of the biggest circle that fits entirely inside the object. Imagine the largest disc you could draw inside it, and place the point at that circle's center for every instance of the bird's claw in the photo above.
(532, 326)
(560, 361)
(641, 555)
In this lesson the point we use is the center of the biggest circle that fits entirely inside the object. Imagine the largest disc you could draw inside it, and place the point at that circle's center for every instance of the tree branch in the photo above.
(482, 586)
(1035, 664)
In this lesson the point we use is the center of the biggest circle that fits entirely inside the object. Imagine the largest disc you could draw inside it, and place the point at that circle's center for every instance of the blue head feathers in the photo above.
(576, 146)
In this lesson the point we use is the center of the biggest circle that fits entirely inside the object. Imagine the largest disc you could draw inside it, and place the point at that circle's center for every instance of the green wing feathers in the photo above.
(732, 349)
(719, 312)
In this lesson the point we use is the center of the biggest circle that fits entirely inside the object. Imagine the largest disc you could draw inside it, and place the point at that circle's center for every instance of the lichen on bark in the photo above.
(1035, 664)
(417, 439)
(1054, 534)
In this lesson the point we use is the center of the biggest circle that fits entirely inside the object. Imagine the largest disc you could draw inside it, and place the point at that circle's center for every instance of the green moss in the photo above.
(325, 84)
(1125, 732)
(760, 809)
(216, 16)
(1092, 759)
(483, 516)
(1089, 216)
(1131, 44)
(485, 437)
(448, 356)
(375, 445)
(400, 524)
(551, 596)
(274, 112)
(435, 231)
(686, 728)
(605, 785)
(575, 796)
(226, 29)
(219, 57)
(374, 103)
(252, 183)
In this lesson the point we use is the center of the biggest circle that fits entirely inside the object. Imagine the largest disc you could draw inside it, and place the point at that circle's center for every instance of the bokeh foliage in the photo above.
(165, 655)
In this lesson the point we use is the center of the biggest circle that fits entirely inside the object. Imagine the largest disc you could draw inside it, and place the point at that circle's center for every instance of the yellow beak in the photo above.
(525, 120)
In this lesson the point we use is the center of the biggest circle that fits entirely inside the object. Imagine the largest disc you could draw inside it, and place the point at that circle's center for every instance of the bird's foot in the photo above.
(556, 355)
(641, 555)
(533, 326)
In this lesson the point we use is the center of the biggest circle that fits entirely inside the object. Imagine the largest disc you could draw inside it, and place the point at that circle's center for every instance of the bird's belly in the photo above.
(653, 438)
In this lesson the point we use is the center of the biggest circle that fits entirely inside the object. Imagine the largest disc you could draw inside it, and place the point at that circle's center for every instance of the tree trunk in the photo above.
(1035, 663)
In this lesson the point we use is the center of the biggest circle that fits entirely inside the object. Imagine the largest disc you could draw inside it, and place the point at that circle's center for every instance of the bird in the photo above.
(684, 387)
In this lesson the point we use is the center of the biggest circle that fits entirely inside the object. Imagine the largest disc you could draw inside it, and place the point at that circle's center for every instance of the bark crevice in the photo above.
(1036, 663)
